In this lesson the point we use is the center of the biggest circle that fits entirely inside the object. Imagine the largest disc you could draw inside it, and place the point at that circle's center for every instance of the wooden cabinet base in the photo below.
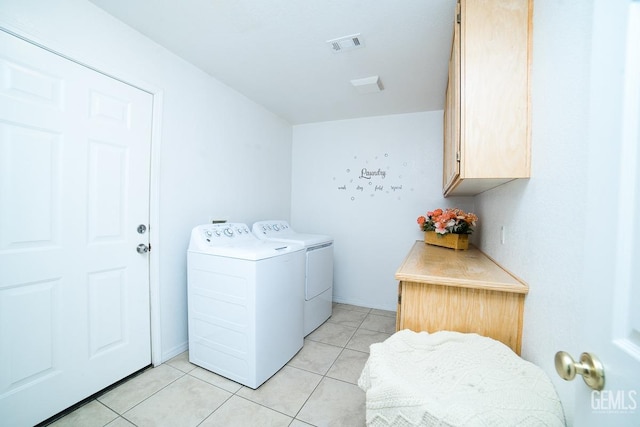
(432, 308)
(464, 291)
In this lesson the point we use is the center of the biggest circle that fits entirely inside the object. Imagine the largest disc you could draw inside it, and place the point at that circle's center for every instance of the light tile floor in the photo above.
(318, 387)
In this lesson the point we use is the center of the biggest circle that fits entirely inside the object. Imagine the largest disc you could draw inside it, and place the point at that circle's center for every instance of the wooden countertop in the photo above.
(463, 269)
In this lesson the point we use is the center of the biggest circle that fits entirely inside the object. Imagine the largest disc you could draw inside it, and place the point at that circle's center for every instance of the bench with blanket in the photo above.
(455, 379)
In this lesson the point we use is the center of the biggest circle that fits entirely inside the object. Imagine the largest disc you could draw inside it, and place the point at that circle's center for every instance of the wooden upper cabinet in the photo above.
(451, 169)
(487, 113)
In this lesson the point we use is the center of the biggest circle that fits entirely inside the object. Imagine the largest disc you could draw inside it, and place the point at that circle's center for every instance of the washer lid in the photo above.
(234, 240)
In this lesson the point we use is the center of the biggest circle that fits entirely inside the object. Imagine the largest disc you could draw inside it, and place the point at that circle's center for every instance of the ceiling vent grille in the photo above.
(346, 43)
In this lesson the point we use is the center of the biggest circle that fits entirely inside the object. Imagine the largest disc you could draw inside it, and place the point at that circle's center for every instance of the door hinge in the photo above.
(458, 18)
(457, 156)
(399, 298)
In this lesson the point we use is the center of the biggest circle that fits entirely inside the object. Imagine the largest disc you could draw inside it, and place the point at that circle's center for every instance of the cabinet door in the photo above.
(494, 69)
(451, 169)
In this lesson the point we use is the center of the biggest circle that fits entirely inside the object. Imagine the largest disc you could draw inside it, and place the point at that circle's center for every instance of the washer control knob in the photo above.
(207, 233)
(228, 232)
(275, 227)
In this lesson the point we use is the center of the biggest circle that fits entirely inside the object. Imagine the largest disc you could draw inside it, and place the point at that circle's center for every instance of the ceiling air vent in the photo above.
(345, 43)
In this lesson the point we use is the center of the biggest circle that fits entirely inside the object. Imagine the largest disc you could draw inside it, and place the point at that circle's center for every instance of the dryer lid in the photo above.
(280, 230)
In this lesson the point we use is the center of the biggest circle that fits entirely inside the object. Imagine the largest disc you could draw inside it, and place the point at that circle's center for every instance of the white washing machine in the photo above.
(245, 303)
(318, 283)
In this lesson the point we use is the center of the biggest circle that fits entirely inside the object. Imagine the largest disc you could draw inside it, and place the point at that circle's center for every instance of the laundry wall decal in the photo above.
(376, 176)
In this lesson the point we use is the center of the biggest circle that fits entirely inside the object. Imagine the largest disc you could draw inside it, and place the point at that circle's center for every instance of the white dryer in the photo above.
(245, 303)
(318, 282)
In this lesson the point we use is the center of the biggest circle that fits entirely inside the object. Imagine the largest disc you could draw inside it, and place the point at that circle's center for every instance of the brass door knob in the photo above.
(589, 366)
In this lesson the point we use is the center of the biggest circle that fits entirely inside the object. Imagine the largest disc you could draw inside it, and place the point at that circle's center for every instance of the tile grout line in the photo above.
(320, 382)
(219, 406)
(342, 307)
(148, 397)
(324, 376)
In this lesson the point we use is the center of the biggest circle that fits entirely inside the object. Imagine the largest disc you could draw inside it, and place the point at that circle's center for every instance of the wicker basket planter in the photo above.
(449, 240)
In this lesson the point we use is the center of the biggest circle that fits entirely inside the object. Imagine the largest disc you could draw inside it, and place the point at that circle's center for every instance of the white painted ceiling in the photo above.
(275, 51)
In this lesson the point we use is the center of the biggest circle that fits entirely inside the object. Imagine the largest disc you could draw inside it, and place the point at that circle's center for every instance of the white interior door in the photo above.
(74, 186)
(611, 296)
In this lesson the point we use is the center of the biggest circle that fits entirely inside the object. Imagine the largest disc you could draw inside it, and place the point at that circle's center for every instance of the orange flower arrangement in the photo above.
(451, 220)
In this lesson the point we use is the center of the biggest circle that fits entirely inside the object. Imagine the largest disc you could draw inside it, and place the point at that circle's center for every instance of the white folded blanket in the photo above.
(454, 379)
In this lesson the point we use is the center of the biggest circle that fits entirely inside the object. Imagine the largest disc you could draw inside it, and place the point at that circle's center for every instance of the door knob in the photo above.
(589, 366)
(142, 248)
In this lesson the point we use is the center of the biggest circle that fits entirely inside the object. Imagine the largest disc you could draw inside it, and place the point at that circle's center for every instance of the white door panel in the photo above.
(30, 159)
(74, 186)
(611, 327)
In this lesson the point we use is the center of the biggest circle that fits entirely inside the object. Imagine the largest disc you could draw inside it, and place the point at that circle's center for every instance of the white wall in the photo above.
(543, 216)
(221, 155)
(373, 230)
